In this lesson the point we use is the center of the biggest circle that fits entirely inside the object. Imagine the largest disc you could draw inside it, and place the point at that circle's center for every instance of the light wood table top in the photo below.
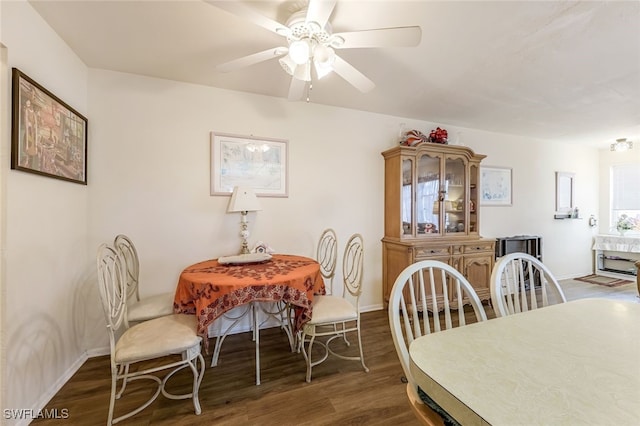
(576, 363)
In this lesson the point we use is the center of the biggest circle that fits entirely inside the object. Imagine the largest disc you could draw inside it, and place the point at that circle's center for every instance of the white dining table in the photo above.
(575, 363)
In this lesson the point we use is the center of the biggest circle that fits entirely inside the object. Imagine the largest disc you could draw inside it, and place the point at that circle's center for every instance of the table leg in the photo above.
(256, 335)
(220, 338)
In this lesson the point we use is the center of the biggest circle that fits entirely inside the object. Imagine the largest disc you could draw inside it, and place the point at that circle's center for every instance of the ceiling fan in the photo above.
(311, 44)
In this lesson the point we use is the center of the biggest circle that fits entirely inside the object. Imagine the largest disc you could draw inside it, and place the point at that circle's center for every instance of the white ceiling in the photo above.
(564, 71)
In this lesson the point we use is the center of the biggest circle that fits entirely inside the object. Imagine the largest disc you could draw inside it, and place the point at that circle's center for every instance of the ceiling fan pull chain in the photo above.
(309, 92)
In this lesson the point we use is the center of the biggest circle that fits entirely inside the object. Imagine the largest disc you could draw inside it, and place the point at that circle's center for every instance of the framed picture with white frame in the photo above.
(248, 161)
(495, 186)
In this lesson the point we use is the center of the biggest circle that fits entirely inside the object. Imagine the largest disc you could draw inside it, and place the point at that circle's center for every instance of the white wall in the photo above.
(566, 244)
(149, 163)
(44, 236)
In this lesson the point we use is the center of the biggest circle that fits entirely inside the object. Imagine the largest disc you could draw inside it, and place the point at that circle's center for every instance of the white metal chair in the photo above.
(327, 255)
(427, 297)
(138, 310)
(172, 339)
(334, 316)
(521, 282)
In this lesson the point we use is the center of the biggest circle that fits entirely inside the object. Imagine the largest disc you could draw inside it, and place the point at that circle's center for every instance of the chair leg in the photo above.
(220, 338)
(307, 356)
(344, 335)
(285, 321)
(361, 353)
(112, 399)
(123, 371)
(309, 365)
(197, 379)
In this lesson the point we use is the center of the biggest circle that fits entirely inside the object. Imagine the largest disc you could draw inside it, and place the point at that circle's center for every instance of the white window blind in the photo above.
(625, 187)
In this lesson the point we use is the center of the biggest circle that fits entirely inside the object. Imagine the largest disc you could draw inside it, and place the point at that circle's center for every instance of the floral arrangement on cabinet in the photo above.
(626, 223)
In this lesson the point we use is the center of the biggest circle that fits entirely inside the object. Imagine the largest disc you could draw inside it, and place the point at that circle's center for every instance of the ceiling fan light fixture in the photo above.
(322, 69)
(621, 145)
(299, 51)
(324, 55)
(303, 72)
(310, 39)
(288, 64)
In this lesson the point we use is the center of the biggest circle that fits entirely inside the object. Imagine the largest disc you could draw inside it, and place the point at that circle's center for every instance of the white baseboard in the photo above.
(371, 308)
(92, 353)
(55, 388)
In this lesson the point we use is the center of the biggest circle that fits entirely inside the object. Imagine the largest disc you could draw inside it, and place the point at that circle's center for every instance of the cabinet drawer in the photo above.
(457, 249)
(479, 247)
(428, 252)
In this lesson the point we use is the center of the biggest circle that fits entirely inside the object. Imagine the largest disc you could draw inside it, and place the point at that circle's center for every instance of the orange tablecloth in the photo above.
(209, 289)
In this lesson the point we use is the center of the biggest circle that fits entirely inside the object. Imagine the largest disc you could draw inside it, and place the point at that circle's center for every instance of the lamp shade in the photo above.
(243, 200)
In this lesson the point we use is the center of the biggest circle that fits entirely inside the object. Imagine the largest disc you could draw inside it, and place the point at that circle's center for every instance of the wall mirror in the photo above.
(565, 189)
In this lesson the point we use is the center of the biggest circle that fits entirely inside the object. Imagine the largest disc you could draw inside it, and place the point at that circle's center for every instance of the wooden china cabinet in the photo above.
(431, 212)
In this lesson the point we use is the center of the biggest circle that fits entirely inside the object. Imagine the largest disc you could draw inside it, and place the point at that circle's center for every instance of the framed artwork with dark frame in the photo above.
(255, 162)
(48, 137)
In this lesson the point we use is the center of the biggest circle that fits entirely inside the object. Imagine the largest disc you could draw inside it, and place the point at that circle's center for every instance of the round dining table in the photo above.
(209, 289)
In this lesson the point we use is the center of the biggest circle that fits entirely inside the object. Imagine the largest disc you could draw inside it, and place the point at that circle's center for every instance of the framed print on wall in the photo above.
(565, 190)
(259, 163)
(48, 137)
(495, 186)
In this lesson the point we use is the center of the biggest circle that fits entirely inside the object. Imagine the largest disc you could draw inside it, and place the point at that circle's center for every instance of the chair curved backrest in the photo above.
(426, 298)
(150, 340)
(521, 282)
(327, 255)
(127, 250)
(112, 286)
(352, 266)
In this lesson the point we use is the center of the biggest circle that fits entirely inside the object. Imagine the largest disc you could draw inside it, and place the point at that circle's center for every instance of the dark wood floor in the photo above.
(341, 393)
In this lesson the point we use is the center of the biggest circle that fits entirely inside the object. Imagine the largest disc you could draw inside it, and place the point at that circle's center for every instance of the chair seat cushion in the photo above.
(151, 307)
(331, 309)
(158, 337)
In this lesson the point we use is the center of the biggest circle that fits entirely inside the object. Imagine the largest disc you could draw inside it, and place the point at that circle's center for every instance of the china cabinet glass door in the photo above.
(428, 194)
(407, 197)
(455, 206)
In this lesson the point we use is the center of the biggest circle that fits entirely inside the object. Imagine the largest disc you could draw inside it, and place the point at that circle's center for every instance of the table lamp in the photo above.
(243, 200)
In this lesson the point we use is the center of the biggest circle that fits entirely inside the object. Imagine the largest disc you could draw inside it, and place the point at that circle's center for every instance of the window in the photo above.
(625, 194)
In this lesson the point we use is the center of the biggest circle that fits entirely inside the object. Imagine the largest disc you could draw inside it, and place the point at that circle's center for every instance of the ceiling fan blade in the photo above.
(253, 59)
(319, 11)
(352, 75)
(239, 9)
(296, 89)
(381, 37)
